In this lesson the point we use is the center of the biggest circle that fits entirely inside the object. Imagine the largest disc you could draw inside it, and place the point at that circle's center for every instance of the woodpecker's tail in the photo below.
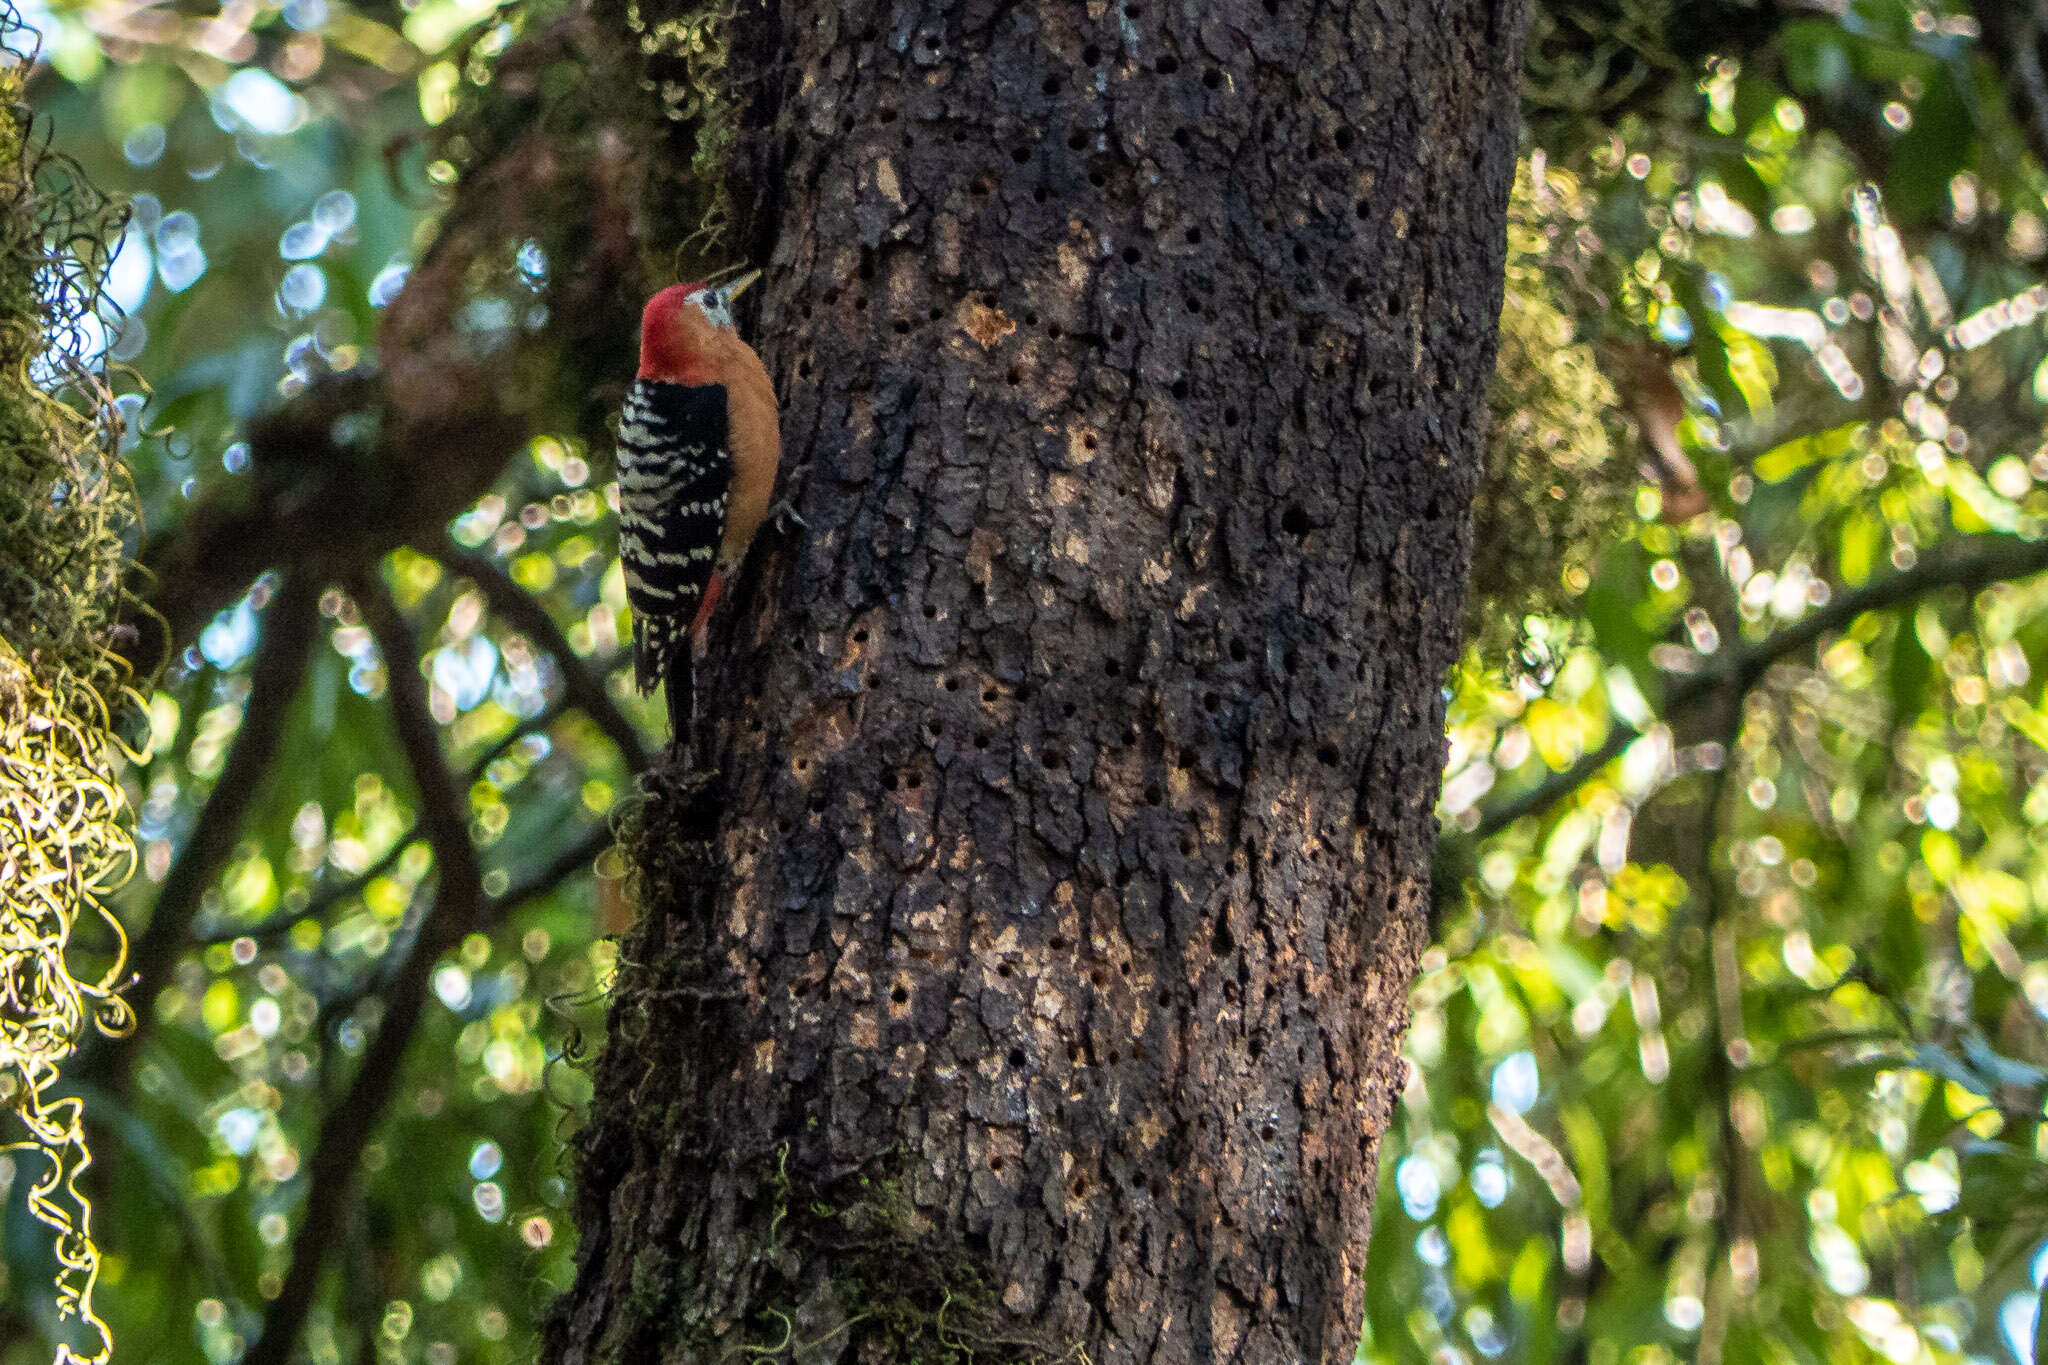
(680, 688)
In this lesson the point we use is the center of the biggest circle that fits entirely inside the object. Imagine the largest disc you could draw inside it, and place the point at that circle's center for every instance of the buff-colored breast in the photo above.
(756, 447)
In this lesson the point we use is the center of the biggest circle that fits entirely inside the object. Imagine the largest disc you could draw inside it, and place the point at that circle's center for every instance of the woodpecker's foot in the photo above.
(783, 515)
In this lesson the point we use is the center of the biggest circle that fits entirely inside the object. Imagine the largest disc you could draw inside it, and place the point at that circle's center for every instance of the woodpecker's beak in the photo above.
(726, 293)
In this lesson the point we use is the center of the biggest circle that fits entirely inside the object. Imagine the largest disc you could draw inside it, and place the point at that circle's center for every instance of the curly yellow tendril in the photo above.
(65, 509)
(64, 848)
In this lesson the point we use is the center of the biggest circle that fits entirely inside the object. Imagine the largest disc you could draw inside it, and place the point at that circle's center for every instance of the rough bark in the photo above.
(1024, 958)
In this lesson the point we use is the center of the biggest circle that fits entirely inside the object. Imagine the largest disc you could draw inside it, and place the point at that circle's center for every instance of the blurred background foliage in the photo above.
(1731, 1046)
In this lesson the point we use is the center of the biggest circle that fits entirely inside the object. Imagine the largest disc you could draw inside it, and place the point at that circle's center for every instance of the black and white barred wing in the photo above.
(675, 478)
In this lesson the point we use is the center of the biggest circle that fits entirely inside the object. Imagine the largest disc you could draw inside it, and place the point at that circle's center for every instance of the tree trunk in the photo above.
(1025, 977)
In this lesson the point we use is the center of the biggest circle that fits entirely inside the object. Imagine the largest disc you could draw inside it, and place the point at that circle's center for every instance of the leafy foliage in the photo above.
(1731, 1047)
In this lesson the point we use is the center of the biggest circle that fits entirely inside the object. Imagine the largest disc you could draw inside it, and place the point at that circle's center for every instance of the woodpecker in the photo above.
(699, 441)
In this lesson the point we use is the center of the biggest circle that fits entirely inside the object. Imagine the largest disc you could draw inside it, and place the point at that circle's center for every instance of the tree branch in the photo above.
(459, 905)
(1973, 563)
(523, 611)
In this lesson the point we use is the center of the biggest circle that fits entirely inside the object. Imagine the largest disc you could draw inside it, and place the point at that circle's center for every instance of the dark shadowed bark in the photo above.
(1024, 956)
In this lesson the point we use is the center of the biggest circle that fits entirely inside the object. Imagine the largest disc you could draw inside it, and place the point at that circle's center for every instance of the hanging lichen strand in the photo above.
(65, 505)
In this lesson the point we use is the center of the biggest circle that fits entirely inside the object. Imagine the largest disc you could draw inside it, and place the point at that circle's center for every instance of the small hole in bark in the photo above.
(1238, 652)
(1353, 291)
(1181, 137)
(1213, 80)
(1230, 417)
(900, 995)
(936, 314)
(1194, 236)
(1291, 660)
(1378, 385)
(1363, 208)
(1004, 971)
(1123, 1236)
(867, 269)
(1187, 847)
(1040, 195)
(1327, 755)
(930, 611)
(1056, 942)
(1222, 942)
(1210, 701)
(1015, 376)
(1052, 759)
(860, 304)
(1130, 738)
(1166, 65)
(1052, 329)
(1077, 140)
(989, 694)
(1017, 1058)
(1091, 54)
(1074, 1053)
(1272, 6)
(1180, 388)
(1115, 1056)
(1022, 156)
(959, 137)
(817, 805)
(1343, 139)
(1132, 255)
(913, 781)
(784, 825)
(1268, 1133)
(1110, 668)
(1052, 85)
(885, 115)
(980, 186)
(1097, 179)
(952, 684)
(995, 1163)
(1153, 795)
(860, 637)
(1294, 521)
(1256, 1048)
(981, 741)
(888, 782)
(803, 368)
(902, 327)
